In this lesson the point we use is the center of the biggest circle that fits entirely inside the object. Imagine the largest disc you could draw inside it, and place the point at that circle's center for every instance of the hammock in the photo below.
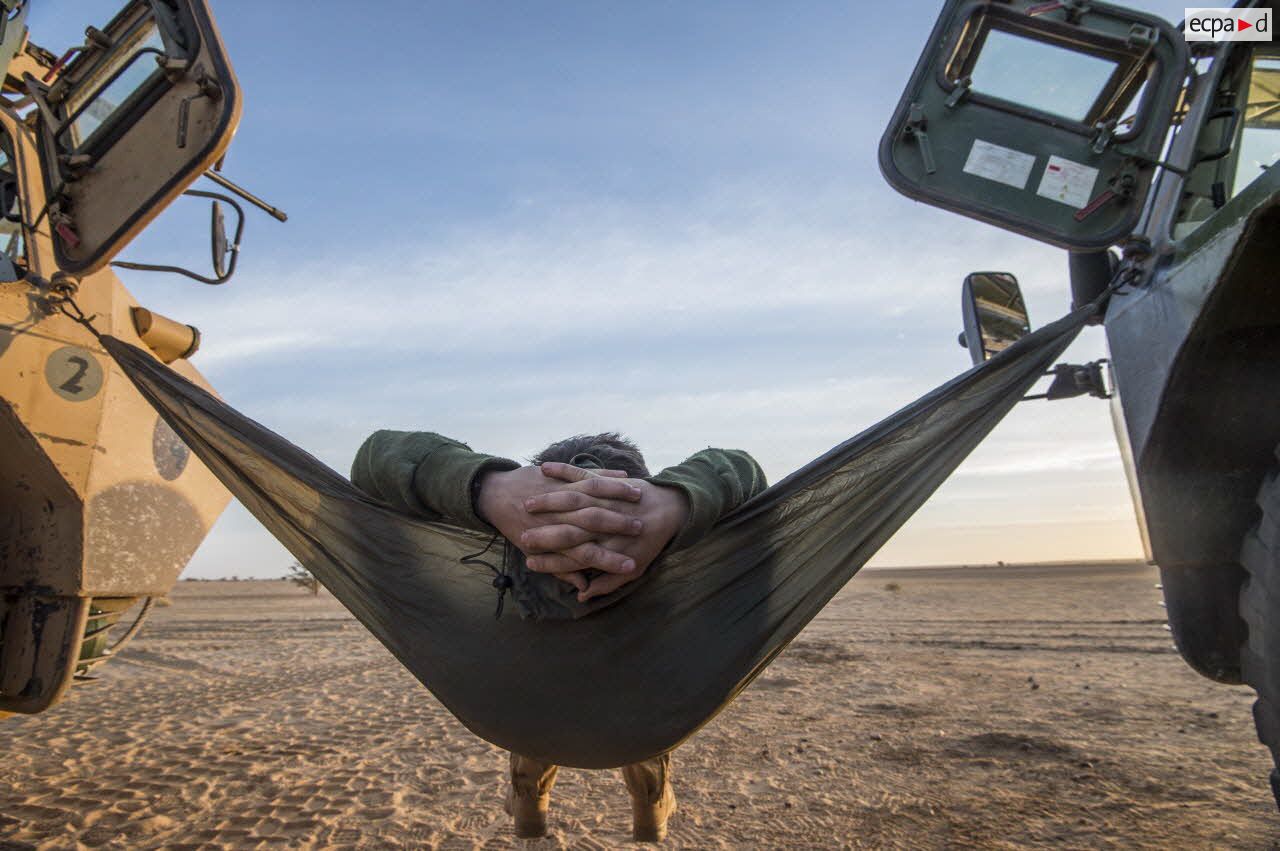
(637, 675)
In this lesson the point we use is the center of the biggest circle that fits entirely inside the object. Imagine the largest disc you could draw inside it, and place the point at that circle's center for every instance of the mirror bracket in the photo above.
(1076, 379)
(220, 275)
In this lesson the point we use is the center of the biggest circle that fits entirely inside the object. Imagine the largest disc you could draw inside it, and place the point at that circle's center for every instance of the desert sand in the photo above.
(974, 708)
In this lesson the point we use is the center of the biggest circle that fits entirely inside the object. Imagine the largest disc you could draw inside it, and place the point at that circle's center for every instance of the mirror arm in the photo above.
(274, 212)
(178, 270)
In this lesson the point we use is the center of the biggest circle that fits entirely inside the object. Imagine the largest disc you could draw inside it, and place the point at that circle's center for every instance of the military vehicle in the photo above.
(101, 505)
(1097, 128)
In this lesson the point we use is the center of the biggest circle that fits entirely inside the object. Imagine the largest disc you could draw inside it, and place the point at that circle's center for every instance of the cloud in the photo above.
(732, 322)
(565, 277)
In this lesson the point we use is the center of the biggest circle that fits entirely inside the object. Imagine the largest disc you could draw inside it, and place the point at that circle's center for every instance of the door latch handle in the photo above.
(916, 129)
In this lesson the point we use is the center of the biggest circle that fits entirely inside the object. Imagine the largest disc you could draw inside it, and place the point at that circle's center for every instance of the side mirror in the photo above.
(218, 242)
(995, 315)
(224, 253)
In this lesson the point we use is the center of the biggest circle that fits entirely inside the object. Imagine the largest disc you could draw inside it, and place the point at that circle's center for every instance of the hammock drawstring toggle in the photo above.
(501, 577)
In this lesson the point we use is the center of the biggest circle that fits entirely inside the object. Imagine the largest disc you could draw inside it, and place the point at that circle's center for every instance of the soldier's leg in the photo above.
(652, 798)
(529, 797)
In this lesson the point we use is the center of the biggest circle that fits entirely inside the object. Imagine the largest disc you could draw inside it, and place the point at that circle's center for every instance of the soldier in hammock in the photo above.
(586, 511)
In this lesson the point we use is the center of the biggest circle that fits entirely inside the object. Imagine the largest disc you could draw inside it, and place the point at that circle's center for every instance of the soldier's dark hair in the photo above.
(607, 451)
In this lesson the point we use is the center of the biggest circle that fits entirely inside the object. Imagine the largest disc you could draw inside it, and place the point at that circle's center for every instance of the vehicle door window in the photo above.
(1041, 76)
(12, 242)
(1237, 144)
(1259, 146)
(114, 84)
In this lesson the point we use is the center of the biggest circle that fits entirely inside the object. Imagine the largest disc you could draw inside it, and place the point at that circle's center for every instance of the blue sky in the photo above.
(510, 222)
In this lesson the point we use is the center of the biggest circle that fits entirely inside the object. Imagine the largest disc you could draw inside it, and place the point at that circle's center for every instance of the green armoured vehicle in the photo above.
(1094, 127)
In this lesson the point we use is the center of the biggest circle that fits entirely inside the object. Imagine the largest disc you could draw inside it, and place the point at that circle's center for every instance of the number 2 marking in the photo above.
(72, 384)
(73, 374)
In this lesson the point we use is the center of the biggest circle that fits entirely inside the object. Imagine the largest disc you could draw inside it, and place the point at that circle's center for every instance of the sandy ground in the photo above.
(992, 708)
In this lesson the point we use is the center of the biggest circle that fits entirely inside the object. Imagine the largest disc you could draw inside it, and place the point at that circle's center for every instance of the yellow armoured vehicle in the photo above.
(101, 506)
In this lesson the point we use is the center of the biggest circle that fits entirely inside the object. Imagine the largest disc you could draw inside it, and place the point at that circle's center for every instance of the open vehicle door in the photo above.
(1045, 118)
(146, 106)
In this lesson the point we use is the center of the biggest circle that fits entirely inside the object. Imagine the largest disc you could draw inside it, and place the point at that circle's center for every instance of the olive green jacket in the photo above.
(426, 474)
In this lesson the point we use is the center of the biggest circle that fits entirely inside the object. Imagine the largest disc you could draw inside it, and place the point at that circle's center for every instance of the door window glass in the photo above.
(1040, 75)
(11, 239)
(97, 98)
(1260, 138)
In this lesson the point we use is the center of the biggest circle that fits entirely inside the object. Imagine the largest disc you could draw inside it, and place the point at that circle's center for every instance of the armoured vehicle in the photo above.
(101, 506)
(1098, 128)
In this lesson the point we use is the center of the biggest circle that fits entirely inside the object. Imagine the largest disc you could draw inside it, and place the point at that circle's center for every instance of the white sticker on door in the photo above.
(1003, 165)
(1068, 182)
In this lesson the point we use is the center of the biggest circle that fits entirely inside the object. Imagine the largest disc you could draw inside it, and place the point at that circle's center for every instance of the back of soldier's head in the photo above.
(607, 451)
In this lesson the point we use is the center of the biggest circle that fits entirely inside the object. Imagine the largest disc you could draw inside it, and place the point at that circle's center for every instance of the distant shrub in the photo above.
(302, 577)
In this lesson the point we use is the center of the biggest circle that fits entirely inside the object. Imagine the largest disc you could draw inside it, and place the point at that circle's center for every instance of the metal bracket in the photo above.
(1075, 10)
(95, 36)
(1103, 133)
(173, 67)
(36, 91)
(915, 128)
(959, 93)
(1120, 189)
(1141, 36)
(233, 248)
(1076, 379)
(209, 88)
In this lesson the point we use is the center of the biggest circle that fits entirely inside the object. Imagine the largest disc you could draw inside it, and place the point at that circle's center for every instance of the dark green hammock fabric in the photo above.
(635, 675)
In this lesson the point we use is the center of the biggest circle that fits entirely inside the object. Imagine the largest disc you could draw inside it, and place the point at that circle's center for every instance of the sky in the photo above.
(512, 222)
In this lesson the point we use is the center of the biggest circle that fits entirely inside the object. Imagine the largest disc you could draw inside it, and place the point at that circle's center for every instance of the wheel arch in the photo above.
(1210, 445)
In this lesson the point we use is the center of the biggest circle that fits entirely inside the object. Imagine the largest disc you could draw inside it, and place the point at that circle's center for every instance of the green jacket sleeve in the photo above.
(716, 481)
(423, 473)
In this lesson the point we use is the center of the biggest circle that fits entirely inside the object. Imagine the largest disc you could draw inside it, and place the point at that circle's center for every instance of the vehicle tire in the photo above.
(1260, 609)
